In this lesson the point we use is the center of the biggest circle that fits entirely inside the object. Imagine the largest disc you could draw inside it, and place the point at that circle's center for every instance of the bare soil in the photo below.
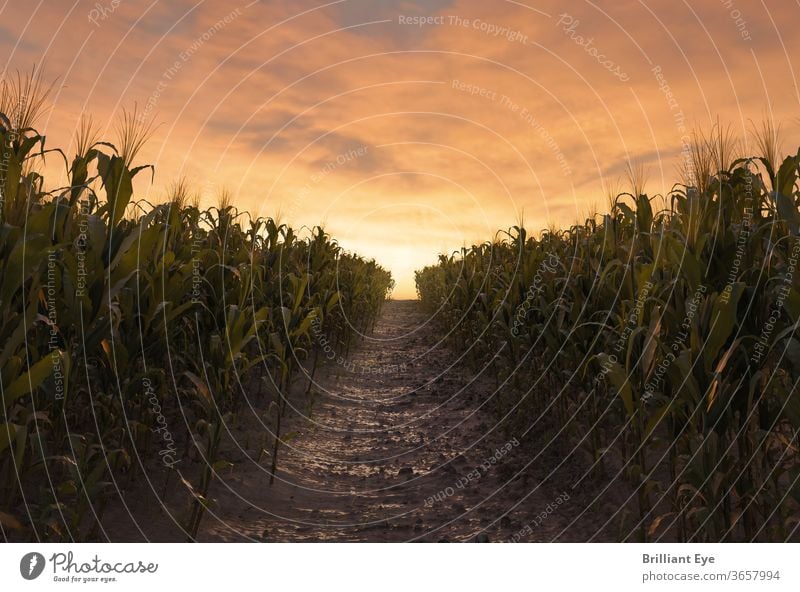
(398, 447)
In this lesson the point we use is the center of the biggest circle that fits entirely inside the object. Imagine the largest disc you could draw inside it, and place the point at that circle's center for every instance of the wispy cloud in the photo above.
(469, 114)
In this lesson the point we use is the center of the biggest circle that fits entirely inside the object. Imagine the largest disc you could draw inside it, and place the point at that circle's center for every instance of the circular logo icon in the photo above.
(31, 565)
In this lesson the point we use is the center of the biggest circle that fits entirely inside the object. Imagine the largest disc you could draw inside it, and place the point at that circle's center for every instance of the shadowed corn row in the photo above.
(661, 342)
(132, 334)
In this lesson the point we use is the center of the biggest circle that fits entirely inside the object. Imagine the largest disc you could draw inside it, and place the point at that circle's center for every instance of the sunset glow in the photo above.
(410, 128)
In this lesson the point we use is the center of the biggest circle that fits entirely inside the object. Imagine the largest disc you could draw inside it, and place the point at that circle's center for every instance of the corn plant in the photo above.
(661, 341)
(130, 331)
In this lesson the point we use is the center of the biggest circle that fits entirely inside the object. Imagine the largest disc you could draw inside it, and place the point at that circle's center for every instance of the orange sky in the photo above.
(410, 127)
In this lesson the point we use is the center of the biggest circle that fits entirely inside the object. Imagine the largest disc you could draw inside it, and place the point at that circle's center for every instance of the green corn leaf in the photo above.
(28, 382)
(619, 379)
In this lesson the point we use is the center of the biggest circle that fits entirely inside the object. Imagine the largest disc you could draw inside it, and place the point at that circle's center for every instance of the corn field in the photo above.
(132, 334)
(661, 341)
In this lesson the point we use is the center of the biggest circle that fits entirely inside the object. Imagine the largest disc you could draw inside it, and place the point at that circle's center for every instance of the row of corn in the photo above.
(132, 335)
(660, 340)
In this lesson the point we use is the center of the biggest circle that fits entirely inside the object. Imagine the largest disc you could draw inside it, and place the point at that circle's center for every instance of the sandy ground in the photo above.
(399, 447)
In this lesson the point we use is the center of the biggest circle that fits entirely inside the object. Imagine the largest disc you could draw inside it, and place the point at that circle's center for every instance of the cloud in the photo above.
(536, 122)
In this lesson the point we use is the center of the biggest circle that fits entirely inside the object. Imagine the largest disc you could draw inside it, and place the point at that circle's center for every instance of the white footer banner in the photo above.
(378, 567)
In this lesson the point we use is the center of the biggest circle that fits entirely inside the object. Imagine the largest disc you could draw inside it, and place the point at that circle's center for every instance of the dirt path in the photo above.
(398, 448)
(393, 435)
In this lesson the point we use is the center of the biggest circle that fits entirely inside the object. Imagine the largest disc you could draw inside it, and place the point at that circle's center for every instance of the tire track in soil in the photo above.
(377, 446)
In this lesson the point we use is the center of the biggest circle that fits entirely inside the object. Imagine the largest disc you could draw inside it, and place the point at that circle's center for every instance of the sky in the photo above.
(408, 128)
